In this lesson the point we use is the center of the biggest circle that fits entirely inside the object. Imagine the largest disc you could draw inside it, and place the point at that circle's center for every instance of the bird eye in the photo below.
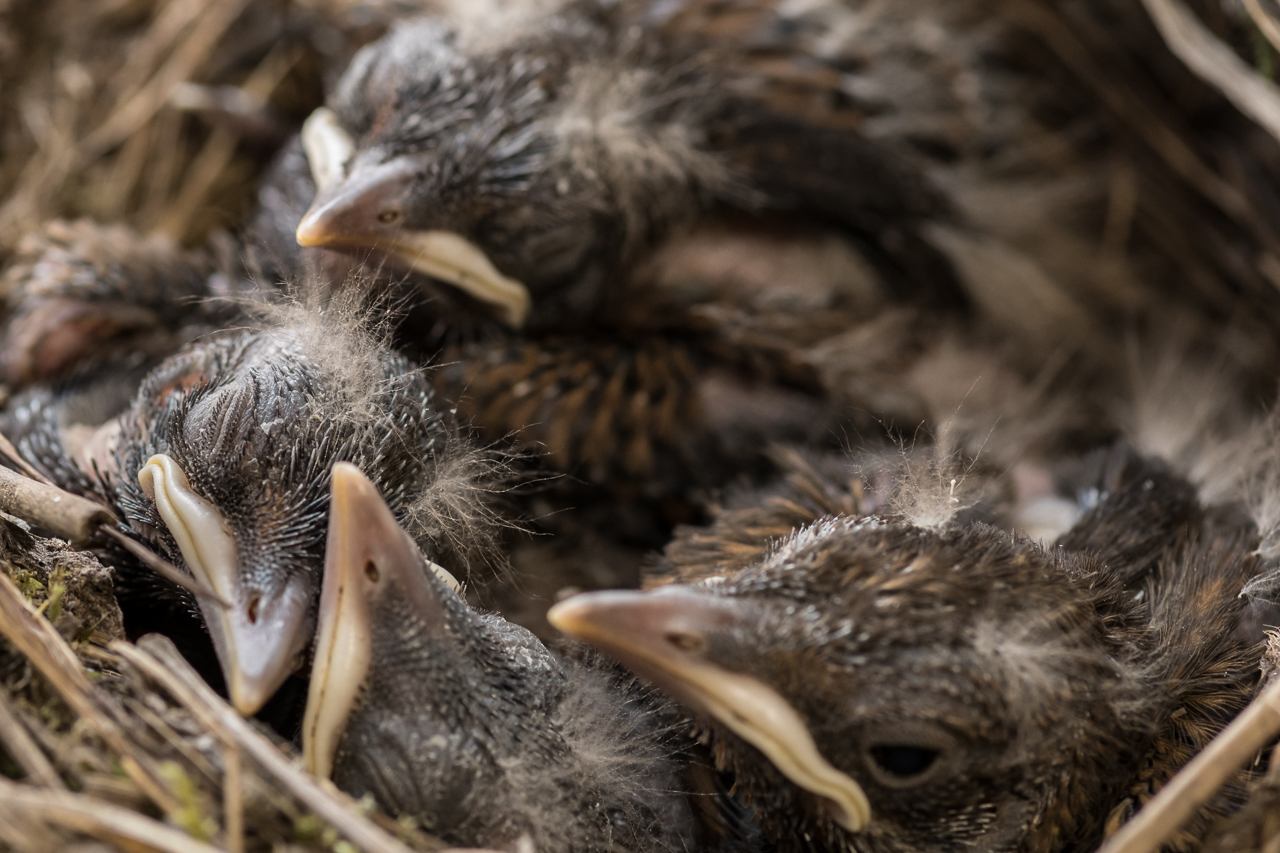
(901, 762)
(390, 215)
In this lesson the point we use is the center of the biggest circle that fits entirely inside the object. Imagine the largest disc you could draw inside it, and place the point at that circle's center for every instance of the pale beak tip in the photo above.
(345, 474)
(310, 233)
(595, 615)
(569, 615)
(248, 698)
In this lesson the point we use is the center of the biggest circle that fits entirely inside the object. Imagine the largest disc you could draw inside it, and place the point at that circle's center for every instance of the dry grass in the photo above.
(127, 745)
(162, 113)
(121, 110)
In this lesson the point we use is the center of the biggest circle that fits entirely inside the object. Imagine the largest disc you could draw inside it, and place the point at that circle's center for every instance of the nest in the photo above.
(161, 115)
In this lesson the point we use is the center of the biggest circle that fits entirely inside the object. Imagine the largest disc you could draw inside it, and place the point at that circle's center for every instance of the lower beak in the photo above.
(365, 546)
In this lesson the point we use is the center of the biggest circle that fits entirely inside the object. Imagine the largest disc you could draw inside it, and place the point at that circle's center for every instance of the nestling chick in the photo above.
(879, 686)
(535, 176)
(81, 291)
(222, 458)
(528, 164)
(466, 721)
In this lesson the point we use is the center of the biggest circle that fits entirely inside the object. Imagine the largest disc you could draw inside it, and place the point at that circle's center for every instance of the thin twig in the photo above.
(232, 799)
(23, 749)
(1216, 64)
(211, 162)
(1197, 782)
(96, 818)
(76, 519)
(63, 514)
(164, 568)
(159, 659)
(186, 57)
(1140, 117)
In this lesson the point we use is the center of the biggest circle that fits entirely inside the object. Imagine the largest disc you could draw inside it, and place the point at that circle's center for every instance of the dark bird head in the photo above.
(509, 160)
(223, 462)
(463, 719)
(882, 687)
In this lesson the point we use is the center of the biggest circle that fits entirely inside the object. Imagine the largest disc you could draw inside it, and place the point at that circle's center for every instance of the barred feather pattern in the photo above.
(596, 409)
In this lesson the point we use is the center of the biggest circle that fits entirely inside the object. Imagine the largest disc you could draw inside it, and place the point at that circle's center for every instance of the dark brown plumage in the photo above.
(959, 686)
(651, 193)
(466, 722)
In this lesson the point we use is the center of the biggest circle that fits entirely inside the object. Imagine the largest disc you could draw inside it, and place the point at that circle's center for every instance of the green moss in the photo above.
(314, 832)
(32, 589)
(52, 607)
(190, 815)
(307, 829)
(366, 805)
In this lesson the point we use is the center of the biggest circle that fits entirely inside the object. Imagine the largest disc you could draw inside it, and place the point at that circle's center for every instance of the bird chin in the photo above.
(759, 715)
(635, 628)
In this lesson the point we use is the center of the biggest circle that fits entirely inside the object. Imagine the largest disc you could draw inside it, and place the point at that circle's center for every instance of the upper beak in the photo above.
(663, 636)
(260, 639)
(361, 209)
(366, 549)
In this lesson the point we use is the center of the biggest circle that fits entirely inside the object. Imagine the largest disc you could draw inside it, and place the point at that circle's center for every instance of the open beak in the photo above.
(261, 637)
(366, 550)
(663, 636)
(361, 210)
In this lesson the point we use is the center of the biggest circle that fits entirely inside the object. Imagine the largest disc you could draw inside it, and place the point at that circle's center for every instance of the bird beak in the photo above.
(366, 550)
(663, 635)
(360, 210)
(328, 148)
(260, 638)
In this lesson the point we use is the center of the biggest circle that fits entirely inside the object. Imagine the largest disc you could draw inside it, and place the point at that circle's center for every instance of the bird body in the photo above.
(591, 196)
(469, 723)
(955, 687)
(221, 461)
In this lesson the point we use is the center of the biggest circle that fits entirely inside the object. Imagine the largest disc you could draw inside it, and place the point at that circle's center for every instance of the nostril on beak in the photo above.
(252, 610)
(686, 642)
(371, 572)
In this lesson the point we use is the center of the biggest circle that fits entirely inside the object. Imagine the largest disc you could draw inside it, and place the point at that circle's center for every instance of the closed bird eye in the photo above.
(903, 762)
(909, 754)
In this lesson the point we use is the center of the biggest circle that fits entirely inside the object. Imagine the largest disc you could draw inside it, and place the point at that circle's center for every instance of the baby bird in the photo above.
(879, 686)
(221, 462)
(529, 164)
(623, 230)
(466, 721)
